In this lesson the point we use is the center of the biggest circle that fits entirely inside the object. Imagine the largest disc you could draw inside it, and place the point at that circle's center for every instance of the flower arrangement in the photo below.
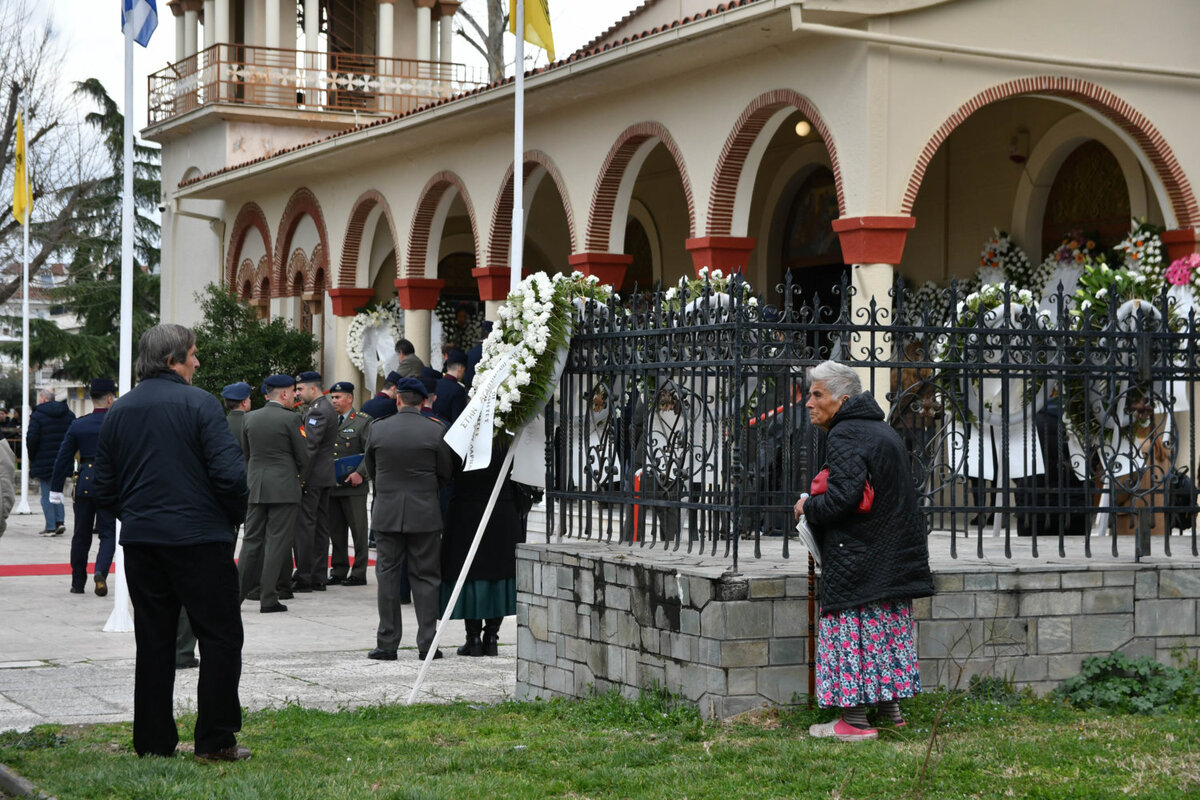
(533, 325)
(1184, 272)
(389, 314)
(1002, 260)
(1063, 263)
(1143, 250)
(928, 306)
(1101, 291)
(462, 323)
(707, 283)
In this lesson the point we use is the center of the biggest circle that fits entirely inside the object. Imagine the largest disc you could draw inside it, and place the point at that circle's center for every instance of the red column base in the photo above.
(609, 268)
(873, 240)
(1180, 243)
(730, 254)
(493, 282)
(347, 299)
(419, 293)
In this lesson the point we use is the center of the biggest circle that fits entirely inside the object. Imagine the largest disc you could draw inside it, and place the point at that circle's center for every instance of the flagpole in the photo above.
(516, 247)
(23, 506)
(120, 620)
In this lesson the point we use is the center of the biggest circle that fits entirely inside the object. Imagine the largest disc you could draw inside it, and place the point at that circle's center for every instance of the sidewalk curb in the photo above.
(13, 784)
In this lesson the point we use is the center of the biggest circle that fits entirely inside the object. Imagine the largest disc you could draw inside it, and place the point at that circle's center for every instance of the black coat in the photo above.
(168, 466)
(496, 558)
(451, 399)
(880, 555)
(379, 407)
(48, 423)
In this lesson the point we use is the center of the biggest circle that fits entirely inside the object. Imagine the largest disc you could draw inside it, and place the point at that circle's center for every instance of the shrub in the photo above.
(1142, 685)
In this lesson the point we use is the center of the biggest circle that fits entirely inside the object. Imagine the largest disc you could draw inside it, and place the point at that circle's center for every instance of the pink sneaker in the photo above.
(842, 731)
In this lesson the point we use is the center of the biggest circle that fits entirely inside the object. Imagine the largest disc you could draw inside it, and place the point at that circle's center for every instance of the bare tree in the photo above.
(490, 42)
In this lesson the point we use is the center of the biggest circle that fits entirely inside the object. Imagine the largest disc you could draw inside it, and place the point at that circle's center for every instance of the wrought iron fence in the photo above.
(680, 422)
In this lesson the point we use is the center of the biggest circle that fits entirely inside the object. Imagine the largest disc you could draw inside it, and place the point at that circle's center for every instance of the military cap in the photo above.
(486, 328)
(308, 377)
(278, 382)
(101, 386)
(236, 391)
(411, 385)
(429, 378)
(393, 377)
(455, 356)
(342, 386)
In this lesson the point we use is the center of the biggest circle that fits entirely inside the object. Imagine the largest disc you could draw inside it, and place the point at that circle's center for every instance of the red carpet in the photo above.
(22, 570)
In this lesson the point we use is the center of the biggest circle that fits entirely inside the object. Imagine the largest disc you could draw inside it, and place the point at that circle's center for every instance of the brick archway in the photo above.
(243, 283)
(501, 233)
(250, 216)
(608, 185)
(423, 218)
(302, 202)
(352, 243)
(1136, 126)
(732, 161)
(318, 265)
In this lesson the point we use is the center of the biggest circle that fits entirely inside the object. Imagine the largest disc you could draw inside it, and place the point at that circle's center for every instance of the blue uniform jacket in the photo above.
(379, 407)
(82, 437)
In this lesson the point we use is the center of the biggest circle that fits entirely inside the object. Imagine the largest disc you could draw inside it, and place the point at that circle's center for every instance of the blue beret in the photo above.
(343, 386)
(455, 356)
(264, 389)
(236, 391)
(430, 372)
(308, 377)
(412, 385)
(278, 382)
(429, 381)
(394, 377)
(101, 386)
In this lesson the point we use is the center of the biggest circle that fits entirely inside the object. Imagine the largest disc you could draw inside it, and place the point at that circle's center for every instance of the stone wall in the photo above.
(593, 616)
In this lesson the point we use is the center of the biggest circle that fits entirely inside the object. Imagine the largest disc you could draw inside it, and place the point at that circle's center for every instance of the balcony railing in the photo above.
(269, 77)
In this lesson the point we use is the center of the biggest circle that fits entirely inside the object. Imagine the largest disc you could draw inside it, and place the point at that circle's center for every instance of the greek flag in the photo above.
(143, 15)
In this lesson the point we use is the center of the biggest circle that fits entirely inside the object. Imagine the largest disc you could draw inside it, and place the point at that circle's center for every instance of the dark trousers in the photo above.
(312, 537)
(90, 518)
(266, 550)
(423, 551)
(348, 512)
(203, 580)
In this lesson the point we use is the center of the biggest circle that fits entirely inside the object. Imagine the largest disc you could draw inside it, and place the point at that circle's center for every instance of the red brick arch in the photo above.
(302, 202)
(297, 266)
(418, 238)
(1102, 101)
(501, 235)
(250, 216)
(314, 275)
(604, 197)
(745, 131)
(352, 243)
(243, 283)
(262, 277)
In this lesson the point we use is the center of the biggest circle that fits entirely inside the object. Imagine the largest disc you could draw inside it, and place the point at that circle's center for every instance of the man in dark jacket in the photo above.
(48, 423)
(82, 438)
(383, 405)
(451, 395)
(168, 467)
(312, 532)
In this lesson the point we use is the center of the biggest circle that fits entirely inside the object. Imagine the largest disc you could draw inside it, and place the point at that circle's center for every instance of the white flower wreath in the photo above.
(389, 316)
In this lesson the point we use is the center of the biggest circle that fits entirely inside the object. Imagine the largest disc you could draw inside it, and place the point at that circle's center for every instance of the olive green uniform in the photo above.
(348, 504)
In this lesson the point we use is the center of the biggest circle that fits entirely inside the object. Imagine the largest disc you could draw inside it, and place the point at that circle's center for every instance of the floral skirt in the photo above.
(866, 655)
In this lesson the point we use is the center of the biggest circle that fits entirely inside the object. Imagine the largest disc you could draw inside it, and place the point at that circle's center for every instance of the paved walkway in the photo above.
(58, 665)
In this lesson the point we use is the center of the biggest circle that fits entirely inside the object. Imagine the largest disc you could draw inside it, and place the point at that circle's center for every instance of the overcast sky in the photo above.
(90, 31)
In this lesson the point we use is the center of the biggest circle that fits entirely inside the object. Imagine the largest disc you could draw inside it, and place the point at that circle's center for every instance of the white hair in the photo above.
(839, 380)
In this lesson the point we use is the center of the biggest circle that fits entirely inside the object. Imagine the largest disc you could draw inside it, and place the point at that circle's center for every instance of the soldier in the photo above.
(82, 437)
(237, 403)
(348, 499)
(312, 536)
(276, 456)
(451, 395)
(383, 405)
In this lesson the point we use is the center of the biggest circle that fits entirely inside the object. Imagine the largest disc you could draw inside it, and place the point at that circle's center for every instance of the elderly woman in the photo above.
(873, 562)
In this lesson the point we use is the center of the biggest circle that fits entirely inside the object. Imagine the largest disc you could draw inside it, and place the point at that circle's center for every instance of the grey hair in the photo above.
(839, 379)
(45, 395)
(160, 346)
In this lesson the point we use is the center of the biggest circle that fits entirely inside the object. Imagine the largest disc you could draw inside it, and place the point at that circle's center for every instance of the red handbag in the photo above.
(820, 485)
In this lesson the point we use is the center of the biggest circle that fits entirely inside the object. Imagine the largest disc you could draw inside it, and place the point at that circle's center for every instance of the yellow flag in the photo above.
(20, 176)
(537, 23)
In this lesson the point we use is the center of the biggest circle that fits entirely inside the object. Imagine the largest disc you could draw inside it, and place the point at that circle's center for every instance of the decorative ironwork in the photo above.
(683, 426)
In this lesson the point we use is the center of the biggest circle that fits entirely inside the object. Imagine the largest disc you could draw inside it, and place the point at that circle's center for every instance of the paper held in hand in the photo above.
(808, 540)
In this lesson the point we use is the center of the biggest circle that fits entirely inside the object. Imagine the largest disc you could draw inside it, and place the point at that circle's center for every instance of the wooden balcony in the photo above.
(269, 77)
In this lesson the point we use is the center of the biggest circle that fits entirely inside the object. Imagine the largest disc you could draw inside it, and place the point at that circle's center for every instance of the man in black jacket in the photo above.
(167, 465)
(48, 423)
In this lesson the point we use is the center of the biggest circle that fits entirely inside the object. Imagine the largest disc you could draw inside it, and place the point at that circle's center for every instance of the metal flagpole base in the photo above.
(121, 618)
(22, 507)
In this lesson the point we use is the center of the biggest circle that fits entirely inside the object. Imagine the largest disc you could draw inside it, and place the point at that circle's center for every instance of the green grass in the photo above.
(606, 747)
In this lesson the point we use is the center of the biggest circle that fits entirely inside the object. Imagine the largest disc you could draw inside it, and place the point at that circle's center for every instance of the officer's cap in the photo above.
(309, 377)
(346, 387)
(411, 385)
(278, 382)
(429, 378)
(455, 356)
(236, 391)
(101, 386)
(394, 377)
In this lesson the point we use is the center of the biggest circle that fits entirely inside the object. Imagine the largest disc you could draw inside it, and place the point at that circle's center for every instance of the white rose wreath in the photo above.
(371, 339)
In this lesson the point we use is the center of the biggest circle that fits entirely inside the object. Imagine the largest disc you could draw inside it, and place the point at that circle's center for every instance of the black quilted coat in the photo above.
(880, 555)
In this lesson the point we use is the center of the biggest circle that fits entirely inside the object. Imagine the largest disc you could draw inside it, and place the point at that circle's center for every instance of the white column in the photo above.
(191, 23)
(491, 309)
(872, 282)
(435, 40)
(445, 52)
(387, 29)
(210, 23)
(416, 330)
(272, 24)
(221, 21)
(423, 21)
(312, 24)
(180, 38)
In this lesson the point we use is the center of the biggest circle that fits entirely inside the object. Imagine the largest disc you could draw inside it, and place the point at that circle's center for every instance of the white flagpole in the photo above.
(516, 247)
(121, 620)
(23, 506)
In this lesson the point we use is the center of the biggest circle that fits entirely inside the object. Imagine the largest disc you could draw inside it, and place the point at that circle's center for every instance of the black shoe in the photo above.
(436, 654)
(101, 585)
(317, 587)
(352, 581)
(253, 595)
(404, 601)
(382, 655)
(284, 595)
(76, 590)
(233, 753)
(335, 579)
(191, 663)
(272, 609)
(491, 644)
(301, 588)
(60, 529)
(473, 646)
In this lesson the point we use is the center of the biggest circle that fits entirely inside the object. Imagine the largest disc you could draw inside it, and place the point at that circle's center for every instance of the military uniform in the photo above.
(82, 437)
(236, 418)
(348, 504)
(312, 537)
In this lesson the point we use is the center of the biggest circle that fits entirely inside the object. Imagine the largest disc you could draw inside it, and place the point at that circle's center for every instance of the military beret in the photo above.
(342, 386)
(429, 381)
(236, 391)
(278, 382)
(394, 377)
(430, 372)
(264, 390)
(411, 385)
(455, 356)
(101, 386)
(308, 377)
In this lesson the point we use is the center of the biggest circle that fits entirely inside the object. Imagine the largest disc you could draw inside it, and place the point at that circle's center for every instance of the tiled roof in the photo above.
(595, 47)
